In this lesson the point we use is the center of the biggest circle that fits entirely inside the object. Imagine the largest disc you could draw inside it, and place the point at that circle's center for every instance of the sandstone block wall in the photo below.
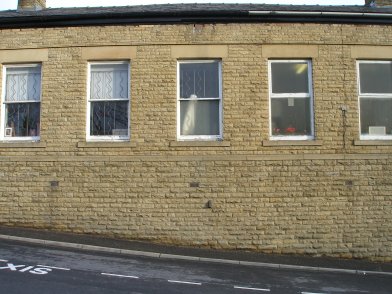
(330, 196)
(31, 4)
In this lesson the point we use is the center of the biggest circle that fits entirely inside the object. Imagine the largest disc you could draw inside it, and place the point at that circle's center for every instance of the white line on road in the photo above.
(119, 276)
(310, 293)
(54, 267)
(2, 260)
(254, 289)
(184, 282)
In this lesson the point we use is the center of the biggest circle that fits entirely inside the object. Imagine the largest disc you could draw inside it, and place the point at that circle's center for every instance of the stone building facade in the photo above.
(278, 154)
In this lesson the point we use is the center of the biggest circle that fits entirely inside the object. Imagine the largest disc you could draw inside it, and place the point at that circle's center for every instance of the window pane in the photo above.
(375, 116)
(199, 117)
(199, 80)
(291, 117)
(109, 81)
(22, 119)
(375, 77)
(288, 77)
(23, 84)
(109, 118)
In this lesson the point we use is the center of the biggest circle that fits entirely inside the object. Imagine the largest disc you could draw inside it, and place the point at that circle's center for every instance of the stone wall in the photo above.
(330, 196)
(379, 2)
(31, 4)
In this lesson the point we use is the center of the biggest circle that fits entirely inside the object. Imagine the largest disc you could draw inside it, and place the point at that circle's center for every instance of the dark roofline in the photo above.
(194, 13)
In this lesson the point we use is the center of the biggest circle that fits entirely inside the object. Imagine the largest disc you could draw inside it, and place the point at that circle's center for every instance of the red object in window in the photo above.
(291, 130)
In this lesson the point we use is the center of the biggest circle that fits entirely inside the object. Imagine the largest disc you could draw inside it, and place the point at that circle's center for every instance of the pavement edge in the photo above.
(127, 252)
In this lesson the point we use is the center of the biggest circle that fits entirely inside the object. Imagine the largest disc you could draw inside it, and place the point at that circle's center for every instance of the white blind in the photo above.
(109, 81)
(23, 84)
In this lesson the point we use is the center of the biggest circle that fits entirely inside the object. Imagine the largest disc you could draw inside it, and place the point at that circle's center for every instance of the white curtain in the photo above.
(23, 84)
(109, 81)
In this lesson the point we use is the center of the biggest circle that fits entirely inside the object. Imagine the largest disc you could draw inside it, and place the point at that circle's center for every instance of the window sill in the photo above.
(106, 144)
(372, 142)
(22, 144)
(272, 143)
(199, 144)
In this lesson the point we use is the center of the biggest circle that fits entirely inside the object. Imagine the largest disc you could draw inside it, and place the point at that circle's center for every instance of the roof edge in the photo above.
(194, 14)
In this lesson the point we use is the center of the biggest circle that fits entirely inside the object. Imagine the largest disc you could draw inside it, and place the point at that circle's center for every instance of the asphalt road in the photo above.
(33, 269)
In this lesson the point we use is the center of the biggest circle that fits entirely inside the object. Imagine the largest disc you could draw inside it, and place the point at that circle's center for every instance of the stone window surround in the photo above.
(292, 52)
(101, 54)
(183, 53)
(368, 52)
(23, 56)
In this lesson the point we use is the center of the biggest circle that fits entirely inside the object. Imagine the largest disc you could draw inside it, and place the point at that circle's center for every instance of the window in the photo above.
(375, 99)
(21, 102)
(199, 108)
(108, 101)
(291, 101)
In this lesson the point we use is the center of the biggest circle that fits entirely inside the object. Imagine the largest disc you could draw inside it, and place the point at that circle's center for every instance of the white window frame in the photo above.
(3, 103)
(179, 99)
(294, 96)
(372, 96)
(113, 137)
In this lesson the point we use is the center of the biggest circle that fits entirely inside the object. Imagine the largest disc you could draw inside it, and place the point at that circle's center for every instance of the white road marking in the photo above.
(26, 269)
(54, 267)
(310, 293)
(254, 289)
(120, 276)
(12, 267)
(184, 282)
(3, 260)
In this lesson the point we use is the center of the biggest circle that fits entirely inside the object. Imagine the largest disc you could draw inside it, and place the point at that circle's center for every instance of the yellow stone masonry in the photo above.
(31, 4)
(327, 197)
